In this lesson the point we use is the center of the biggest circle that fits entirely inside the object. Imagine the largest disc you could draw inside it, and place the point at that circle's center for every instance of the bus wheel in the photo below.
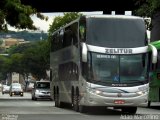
(56, 100)
(32, 98)
(129, 110)
(149, 104)
(58, 103)
(76, 102)
(82, 109)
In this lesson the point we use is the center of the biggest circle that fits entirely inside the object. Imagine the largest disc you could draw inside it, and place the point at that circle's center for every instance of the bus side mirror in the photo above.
(84, 52)
(154, 53)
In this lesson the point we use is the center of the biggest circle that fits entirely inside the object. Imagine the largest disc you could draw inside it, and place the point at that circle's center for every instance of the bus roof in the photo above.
(113, 16)
(98, 16)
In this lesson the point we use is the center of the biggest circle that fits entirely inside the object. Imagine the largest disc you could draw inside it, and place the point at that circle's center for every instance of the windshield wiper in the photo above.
(136, 81)
(97, 81)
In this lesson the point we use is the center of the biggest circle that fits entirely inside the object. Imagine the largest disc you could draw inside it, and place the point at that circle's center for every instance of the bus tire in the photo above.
(58, 103)
(56, 100)
(32, 98)
(149, 104)
(82, 109)
(54, 93)
(76, 103)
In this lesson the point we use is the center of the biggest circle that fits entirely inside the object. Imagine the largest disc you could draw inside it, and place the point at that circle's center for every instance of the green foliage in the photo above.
(146, 8)
(36, 59)
(60, 21)
(16, 62)
(18, 48)
(4, 65)
(27, 58)
(17, 15)
(1, 41)
(28, 36)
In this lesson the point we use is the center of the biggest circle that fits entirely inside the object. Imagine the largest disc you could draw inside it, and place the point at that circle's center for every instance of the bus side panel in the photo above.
(65, 71)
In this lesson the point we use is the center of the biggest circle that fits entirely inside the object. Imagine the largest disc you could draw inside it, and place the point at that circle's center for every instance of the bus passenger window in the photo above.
(75, 39)
(67, 39)
(82, 32)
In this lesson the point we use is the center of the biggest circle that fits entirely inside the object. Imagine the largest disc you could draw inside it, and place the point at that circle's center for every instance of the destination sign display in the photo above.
(122, 51)
(118, 51)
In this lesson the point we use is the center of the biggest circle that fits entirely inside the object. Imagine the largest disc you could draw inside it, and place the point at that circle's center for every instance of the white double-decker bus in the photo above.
(100, 61)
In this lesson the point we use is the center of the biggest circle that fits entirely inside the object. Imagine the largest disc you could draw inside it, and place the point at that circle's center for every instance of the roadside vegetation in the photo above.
(34, 57)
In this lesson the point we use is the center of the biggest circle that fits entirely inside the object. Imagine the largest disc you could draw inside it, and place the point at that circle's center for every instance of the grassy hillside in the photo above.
(29, 36)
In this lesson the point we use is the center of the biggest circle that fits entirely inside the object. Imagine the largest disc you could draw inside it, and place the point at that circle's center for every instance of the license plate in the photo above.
(119, 101)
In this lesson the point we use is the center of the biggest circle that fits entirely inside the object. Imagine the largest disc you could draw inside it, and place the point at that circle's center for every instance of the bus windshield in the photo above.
(118, 69)
(109, 32)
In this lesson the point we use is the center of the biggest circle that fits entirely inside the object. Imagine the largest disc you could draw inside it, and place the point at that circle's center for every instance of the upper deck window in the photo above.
(116, 32)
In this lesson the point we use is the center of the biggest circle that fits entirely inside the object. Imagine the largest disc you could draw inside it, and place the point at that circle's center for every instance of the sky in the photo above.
(44, 25)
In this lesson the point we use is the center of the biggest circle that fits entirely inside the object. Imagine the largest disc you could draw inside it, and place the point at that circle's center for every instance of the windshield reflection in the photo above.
(102, 32)
(110, 69)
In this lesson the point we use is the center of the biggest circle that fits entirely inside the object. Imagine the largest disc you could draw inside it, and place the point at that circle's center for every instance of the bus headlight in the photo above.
(94, 91)
(141, 92)
(98, 92)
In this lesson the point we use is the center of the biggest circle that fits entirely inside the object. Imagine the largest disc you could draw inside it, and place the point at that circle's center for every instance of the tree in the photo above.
(36, 59)
(1, 42)
(150, 8)
(31, 58)
(3, 67)
(16, 63)
(17, 15)
(60, 21)
(19, 48)
(1, 48)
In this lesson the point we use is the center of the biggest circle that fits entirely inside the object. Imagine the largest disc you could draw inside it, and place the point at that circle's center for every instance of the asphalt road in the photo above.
(23, 108)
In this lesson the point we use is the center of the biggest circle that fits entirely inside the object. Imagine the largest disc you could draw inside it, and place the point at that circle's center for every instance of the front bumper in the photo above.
(91, 99)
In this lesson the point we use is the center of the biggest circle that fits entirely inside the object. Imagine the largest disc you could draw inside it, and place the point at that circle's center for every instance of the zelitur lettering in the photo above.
(118, 51)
